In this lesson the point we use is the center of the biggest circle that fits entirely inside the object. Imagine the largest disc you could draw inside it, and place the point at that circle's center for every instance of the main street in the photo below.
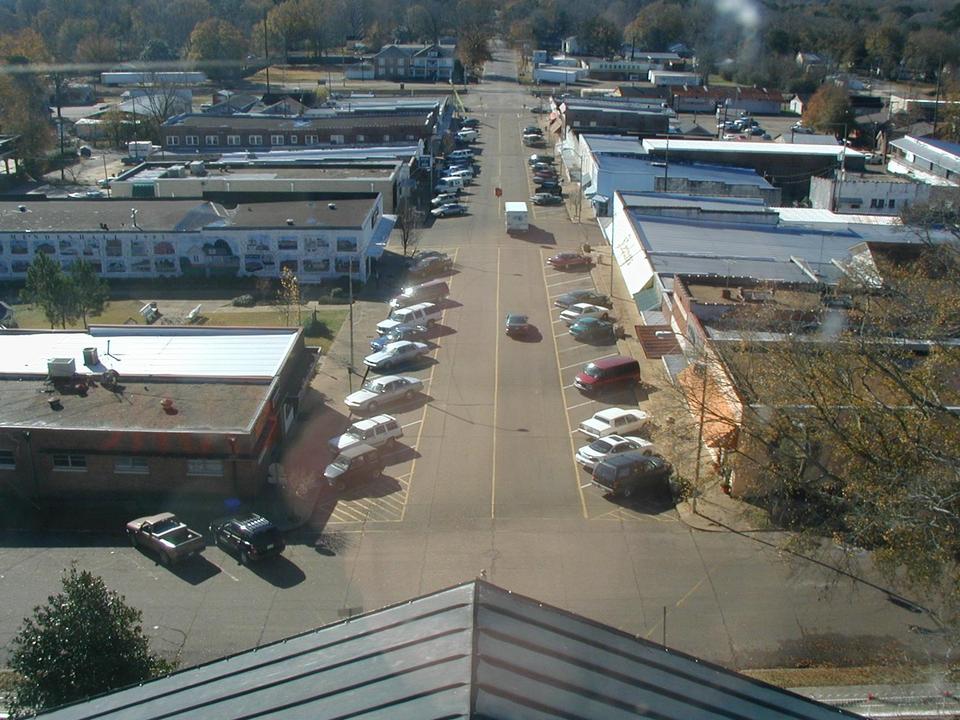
(486, 486)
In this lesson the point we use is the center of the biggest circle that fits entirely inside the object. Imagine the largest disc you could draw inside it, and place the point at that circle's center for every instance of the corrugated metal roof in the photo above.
(470, 651)
(941, 154)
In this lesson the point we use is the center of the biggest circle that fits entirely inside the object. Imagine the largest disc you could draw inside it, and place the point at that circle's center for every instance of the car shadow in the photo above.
(377, 487)
(537, 235)
(447, 303)
(399, 453)
(194, 570)
(533, 335)
(279, 572)
(650, 501)
(418, 364)
(400, 406)
(438, 331)
(620, 397)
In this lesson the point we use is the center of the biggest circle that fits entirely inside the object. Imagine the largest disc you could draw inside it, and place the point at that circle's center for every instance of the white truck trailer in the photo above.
(516, 216)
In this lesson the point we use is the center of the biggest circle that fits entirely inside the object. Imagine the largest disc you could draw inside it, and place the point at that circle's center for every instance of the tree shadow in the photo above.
(380, 486)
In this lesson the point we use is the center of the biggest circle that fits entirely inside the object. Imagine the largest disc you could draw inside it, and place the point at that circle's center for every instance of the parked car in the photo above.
(424, 313)
(544, 175)
(445, 198)
(355, 464)
(534, 141)
(608, 373)
(379, 391)
(578, 311)
(431, 291)
(375, 432)
(581, 296)
(433, 265)
(517, 325)
(544, 166)
(546, 199)
(449, 210)
(545, 185)
(470, 123)
(401, 332)
(396, 353)
(250, 537)
(567, 260)
(601, 448)
(590, 329)
(540, 158)
(166, 536)
(615, 421)
(532, 130)
(629, 472)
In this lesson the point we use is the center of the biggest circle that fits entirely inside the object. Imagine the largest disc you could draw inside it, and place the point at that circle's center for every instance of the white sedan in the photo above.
(584, 310)
(380, 391)
(590, 455)
(396, 353)
(615, 421)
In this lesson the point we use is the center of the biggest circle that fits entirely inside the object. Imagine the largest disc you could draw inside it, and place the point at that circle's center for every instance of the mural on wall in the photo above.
(210, 259)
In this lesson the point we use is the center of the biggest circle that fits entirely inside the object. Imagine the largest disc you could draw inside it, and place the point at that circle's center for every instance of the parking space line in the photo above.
(496, 392)
(575, 347)
(427, 385)
(574, 407)
(573, 449)
(411, 424)
(565, 282)
(593, 360)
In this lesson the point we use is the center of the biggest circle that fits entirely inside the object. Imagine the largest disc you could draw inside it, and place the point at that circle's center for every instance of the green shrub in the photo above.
(244, 301)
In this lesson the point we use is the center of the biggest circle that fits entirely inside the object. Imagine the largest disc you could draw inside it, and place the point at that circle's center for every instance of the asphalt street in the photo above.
(485, 485)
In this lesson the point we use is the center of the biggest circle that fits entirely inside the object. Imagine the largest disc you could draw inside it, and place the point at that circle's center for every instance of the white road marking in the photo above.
(574, 407)
(593, 360)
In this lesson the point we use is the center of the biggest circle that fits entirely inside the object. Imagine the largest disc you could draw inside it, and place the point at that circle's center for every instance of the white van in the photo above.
(420, 314)
(461, 154)
(465, 175)
(467, 135)
(449, 184)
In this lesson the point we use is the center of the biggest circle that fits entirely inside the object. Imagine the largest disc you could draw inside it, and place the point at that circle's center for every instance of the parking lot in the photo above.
(484, 483)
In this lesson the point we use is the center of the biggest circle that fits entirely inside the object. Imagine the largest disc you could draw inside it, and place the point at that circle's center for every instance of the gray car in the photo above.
(396, 353)
(377, 392)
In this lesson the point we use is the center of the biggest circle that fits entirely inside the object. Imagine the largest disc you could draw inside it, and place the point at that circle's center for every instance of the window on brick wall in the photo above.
(256, 139)
(233, 139)
(172, 140)
(204, 466)
(276, 139)
(192, 139)
(69, 461)
(211, 140)
(132, 465)
(7, 459)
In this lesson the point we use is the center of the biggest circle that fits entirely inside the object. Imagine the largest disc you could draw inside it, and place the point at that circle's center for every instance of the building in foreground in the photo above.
(146, 412)
(316, 239)
(471, 651)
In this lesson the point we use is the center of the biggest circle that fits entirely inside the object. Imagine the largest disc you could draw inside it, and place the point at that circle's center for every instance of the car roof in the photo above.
(609, 362)
(372, 422)
(608, 413)
(357, 449)
(632, 457)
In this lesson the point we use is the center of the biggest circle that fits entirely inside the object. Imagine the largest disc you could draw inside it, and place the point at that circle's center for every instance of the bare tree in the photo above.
(410, 224)
(288, 295)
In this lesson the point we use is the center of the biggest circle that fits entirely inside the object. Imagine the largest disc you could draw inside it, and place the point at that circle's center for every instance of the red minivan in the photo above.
(616, 371)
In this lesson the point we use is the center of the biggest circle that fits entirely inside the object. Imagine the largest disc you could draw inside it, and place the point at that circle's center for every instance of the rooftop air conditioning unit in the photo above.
(175, 171)
(196, 167)
(61, 367)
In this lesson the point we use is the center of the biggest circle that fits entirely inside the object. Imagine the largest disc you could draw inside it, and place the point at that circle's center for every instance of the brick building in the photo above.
(140, 412)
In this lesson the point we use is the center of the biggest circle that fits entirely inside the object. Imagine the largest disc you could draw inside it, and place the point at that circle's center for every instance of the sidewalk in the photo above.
(716, 511)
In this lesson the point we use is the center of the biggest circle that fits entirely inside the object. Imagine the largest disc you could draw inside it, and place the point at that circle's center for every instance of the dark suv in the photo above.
(249, 537)
(354, 464)
(627, 473)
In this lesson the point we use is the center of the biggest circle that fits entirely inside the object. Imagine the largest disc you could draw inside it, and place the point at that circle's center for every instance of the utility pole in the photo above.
(266, 51)
(702, 367)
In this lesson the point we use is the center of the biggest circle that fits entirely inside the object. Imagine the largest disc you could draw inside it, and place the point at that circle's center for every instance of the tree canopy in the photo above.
(64, 297)
(84, 641)
(829, 111)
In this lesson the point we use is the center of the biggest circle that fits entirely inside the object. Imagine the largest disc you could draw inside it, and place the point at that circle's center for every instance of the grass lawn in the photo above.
(116, 313)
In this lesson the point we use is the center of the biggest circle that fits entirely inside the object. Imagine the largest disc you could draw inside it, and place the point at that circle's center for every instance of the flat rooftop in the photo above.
(217, 378)
(176, 215)
(152, 351)
(700, 172)
(381, 171)
(732, 146)
(240, 122)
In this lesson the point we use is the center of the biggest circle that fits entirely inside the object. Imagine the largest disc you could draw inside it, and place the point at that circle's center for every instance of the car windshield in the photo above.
(341, 462)
(591, 370)
(373, 386)
(603, 446)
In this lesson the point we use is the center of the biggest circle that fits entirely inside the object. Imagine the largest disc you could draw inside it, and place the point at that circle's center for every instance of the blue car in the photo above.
(401, 332)
(590, 329)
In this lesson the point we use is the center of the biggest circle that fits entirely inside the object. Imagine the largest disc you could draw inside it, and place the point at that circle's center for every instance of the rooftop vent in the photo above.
(22, 208)
(61, 367)
(90, 357)
(289, 221)
(332, 206)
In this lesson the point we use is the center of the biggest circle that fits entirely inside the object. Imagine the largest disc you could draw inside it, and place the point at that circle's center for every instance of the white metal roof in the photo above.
(515, 207)
(153, 351)
(733, 146)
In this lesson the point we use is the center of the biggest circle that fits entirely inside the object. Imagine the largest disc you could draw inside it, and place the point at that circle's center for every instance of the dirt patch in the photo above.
(865, 675)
